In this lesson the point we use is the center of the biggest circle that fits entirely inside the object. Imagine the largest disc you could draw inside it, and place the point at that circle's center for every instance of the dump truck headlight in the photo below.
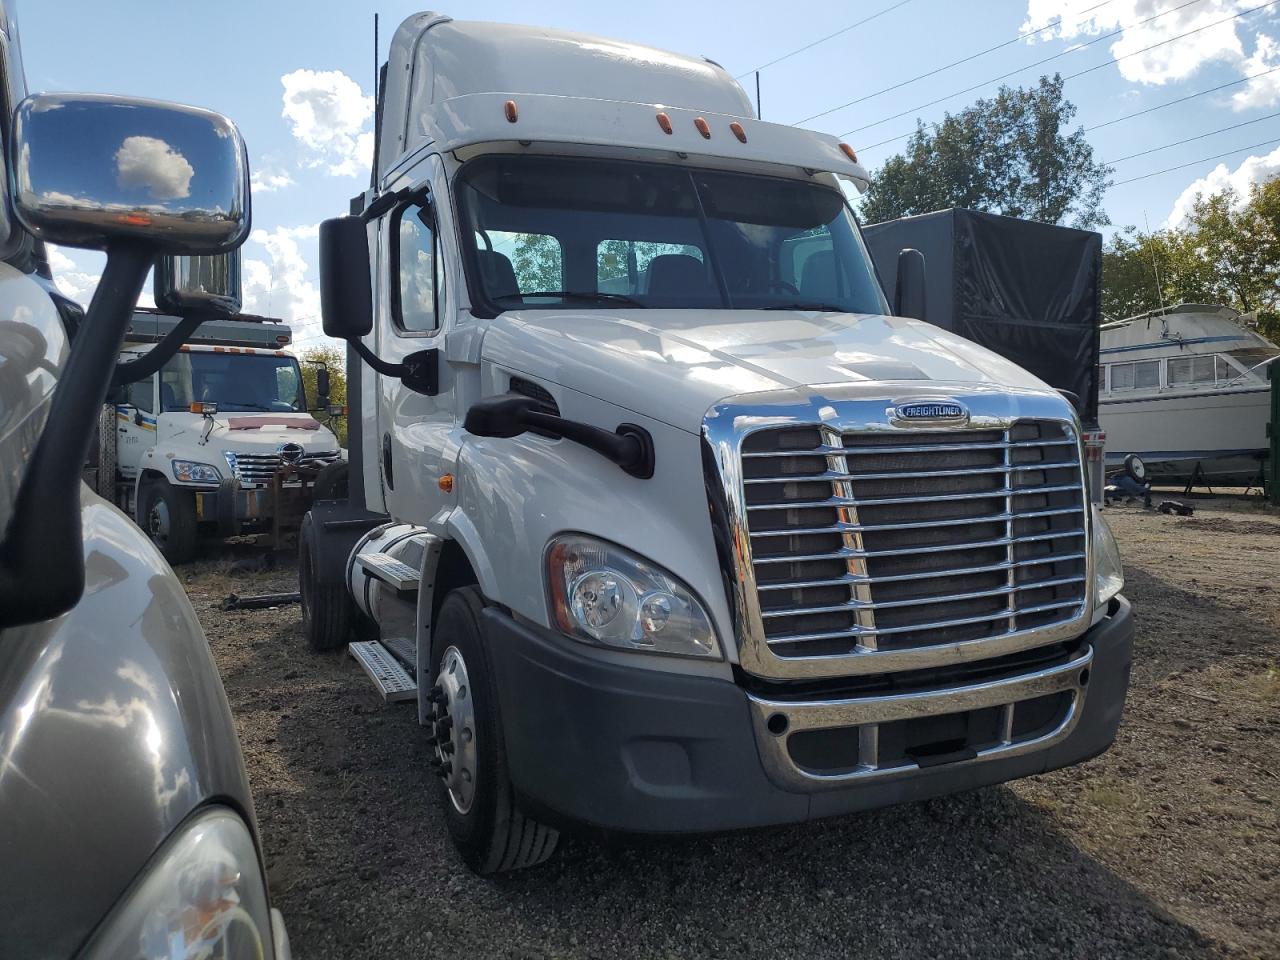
(603, 594)
(1108, 572)
(189, 472)
(202, 896)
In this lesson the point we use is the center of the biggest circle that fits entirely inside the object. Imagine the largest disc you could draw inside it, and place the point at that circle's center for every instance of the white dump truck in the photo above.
(663, 515)
(220, 441)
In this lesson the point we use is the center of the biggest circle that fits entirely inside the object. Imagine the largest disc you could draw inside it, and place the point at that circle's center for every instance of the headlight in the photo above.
(1108, 572)
(189, 472)
(603, 594)
(202, 896)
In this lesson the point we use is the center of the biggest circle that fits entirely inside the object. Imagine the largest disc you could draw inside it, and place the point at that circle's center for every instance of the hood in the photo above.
(673, 365)
(259, 432)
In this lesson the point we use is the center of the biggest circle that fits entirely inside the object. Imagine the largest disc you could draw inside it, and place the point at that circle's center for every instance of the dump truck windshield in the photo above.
(234, 381)
(551, 232)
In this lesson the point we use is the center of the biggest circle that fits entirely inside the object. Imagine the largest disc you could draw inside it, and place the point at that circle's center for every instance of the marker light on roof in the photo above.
(512, 113)
(848, 152)
(736, 129)
(665, 123)
(703, 127)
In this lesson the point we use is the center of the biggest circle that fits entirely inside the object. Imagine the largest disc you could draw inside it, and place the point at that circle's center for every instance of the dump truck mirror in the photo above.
(346, 294)
(208, 286)
(322, 387)
(909, 299)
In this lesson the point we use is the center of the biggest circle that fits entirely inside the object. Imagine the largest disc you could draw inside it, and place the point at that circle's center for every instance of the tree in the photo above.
(334, 359)
(1227, 250)
(1006, 155)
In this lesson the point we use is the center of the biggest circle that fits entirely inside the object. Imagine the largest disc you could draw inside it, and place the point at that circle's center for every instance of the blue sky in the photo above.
(309, 153)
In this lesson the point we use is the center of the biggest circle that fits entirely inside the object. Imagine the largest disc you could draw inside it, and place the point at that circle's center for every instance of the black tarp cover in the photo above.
(1028, 291)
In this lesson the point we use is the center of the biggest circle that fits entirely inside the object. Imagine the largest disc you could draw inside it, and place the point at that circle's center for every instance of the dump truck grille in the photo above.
(256, 470)
(907, 539)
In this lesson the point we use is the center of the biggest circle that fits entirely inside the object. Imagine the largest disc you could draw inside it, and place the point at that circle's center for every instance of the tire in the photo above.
(1135, 468)
(107, 437)
(331, 482)
(168, 516)
(326, 609)
(490, 831)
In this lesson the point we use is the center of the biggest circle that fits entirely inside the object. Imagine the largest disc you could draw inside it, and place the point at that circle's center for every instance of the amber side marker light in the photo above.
(736, 129)
(665, 123)
(703, 127)
(445, 483)
(848, 152)
(509, 108)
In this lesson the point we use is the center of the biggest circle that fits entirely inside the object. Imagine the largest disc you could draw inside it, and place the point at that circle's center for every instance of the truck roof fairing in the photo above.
(452, 82)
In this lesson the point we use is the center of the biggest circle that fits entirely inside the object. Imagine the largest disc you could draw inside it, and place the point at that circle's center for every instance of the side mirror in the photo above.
(909, 297)
(88, 170)
(207, 286)
(346, 294)
(322, 387)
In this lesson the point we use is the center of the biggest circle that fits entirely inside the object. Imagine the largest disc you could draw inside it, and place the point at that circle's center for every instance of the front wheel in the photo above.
(326, 608)
(168, 515)
(486, 825)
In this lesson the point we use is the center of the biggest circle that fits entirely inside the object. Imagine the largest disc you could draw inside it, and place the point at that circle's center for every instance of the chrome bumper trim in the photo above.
(867, 713)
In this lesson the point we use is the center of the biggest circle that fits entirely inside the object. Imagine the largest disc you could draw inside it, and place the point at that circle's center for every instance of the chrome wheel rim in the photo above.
(158, 521)
(454, 728)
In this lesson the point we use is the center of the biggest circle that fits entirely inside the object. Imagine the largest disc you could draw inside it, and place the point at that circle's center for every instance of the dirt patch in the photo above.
(1167, 845)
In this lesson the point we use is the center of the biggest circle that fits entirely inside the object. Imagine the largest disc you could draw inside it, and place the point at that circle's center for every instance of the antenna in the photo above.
(758, 117)
(375, 58)
(1155, 268)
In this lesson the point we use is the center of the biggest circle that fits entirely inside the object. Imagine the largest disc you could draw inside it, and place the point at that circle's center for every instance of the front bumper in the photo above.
(643, 751)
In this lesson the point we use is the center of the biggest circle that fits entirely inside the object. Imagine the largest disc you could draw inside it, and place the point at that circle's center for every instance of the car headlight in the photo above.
(202, 896)
(605, 595)
(189, 472)
(1108, 572)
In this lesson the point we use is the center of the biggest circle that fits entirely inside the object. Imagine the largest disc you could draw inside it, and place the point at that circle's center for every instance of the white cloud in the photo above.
(262, 181)
(1260, 91)
(1252, 170)
(1213, 42)
(327, 113)
(278, 286)
(151, 163)
(79, 281)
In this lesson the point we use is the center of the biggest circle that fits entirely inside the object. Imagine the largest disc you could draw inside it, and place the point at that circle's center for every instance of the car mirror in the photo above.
(909, 294)
(207, 286)
(322, 387)
(88, 171)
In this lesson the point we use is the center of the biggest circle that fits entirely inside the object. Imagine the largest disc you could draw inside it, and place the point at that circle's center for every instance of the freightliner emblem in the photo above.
(931, 411)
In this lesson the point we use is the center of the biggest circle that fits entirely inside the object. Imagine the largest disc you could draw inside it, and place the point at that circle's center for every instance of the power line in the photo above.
(1178, 143)
(1170, 103)
(1192, 163)
(1127, 116)
(955, 63)
(830, 36)
(1031, 66)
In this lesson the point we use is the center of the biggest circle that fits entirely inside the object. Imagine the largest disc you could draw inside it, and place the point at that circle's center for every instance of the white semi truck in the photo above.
(665, 517)
(220, 441)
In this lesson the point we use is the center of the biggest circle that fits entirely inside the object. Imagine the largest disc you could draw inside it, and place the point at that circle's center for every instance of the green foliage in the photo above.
(1227, 251)
(1007, 155)
(537, 262)
(335, 360)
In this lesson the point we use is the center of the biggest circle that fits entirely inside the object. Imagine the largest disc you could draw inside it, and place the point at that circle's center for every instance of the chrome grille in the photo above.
(907, 539)
(256, 469)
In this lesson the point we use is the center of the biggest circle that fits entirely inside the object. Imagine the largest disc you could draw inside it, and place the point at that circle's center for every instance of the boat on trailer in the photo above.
(1185, 388)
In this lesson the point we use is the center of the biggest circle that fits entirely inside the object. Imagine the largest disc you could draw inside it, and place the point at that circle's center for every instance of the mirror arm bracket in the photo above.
(419, 371)
(42, 571)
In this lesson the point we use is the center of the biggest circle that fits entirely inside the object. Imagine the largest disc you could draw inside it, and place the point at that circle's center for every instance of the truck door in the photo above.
(135, 426)
(416, 437)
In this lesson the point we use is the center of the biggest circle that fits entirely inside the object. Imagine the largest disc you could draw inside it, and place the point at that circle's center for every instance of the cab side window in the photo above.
(416, 292)
(141, 394)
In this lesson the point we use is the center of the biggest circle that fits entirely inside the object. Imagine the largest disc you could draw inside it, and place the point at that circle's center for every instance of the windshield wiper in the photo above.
(822, 307)
(591, 296)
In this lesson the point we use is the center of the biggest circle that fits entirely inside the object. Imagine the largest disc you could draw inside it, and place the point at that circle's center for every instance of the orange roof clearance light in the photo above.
(736, 129)
(510, 109)
(703, 127)
(136, 219)
(848, 152)
(665, 123)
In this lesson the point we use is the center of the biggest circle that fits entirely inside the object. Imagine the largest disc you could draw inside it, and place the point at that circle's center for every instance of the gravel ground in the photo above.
(1167, 846)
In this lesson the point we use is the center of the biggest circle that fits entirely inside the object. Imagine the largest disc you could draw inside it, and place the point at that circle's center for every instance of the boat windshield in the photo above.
(556, 232)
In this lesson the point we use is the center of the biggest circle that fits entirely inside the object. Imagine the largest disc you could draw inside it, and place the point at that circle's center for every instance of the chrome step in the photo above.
(389, 570)
(387, 675)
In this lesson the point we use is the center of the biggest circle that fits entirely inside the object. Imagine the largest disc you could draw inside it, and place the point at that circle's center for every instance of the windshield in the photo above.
(555, 231)
(234, 381)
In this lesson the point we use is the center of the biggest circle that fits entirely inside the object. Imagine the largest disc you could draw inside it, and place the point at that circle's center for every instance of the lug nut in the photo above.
(447, 747)
(436, 694)
(444, 725)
